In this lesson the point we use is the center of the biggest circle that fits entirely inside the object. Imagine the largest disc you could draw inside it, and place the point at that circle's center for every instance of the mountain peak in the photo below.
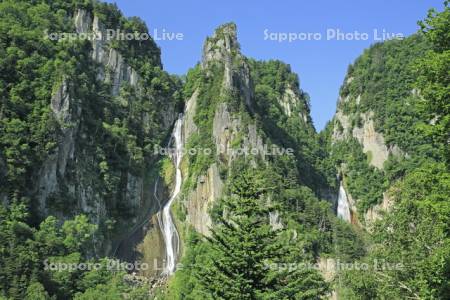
(222, 45)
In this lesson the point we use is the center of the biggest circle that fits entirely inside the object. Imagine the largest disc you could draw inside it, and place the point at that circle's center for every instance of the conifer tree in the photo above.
(249, 259)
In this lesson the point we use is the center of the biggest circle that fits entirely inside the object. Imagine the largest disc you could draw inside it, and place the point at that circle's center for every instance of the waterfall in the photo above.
(168, 228)
(343, 210)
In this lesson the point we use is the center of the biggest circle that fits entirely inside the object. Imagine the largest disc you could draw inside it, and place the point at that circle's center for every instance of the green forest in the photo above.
(84, 194)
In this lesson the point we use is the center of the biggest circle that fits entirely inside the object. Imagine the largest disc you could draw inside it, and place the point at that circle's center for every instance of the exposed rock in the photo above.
(66, 174)
(48, 182)
(54, 167)
(151, 250)
(201, 199)
(376, 212)
(134, 192)
(82, 21)
(227, 129)
(290, 104)
(287, 102)
(231, 136)
(274, 220)
(68, 114)
(373, 145)
(372, 141)
(209, 186)
(223, 48)
(113, 68)
(119, 72)
(221, 128)
(327, 267)
(245, 83)
(189, 124)
(219, 47)
(60, 103)
(341, 127)
(169, 116)
(252, 140)
(98, 53)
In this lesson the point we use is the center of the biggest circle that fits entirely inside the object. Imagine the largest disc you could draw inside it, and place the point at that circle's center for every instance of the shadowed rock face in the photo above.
(67, 114)
(222, 49)
(67, 173)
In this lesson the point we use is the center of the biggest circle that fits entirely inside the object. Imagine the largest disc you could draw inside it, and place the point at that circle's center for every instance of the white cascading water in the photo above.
(343, 209)
(169, 230)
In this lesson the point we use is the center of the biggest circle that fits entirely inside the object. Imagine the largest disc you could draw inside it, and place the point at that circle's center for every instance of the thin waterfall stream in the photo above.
(169, 231)
(343, 209)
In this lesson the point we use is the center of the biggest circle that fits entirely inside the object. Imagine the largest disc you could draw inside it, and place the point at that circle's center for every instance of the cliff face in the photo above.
(221, 51)
(108, 109)
(373, 142)
(374, 124)
(227, 114)
(110, 105)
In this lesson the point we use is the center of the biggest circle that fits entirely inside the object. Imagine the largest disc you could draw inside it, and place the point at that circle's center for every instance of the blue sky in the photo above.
(320, 63)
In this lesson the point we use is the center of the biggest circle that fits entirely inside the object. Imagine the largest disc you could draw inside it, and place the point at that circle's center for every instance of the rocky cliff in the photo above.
(374, 123)
(238, 110)
(110, 104)
(222, 59)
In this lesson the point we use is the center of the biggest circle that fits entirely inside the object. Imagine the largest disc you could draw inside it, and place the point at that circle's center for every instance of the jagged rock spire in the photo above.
(221, 46)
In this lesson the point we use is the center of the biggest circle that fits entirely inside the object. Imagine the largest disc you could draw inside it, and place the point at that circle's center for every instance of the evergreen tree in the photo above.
(36, 291)
(248, 258)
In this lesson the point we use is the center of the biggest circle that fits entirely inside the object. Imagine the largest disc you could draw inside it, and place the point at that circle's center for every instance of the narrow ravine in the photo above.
(168, 229)
(343, 209)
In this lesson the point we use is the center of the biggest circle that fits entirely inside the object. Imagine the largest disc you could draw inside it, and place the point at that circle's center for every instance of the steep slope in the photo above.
(221, 181)
(244, 115)
(388, 143)
(242, 112)
(373, 135)
(88, 113)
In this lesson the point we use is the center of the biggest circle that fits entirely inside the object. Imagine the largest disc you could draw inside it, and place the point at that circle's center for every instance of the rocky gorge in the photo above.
(217, 181)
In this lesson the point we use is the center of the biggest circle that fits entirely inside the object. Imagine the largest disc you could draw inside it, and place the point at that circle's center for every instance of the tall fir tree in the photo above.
(249, 258)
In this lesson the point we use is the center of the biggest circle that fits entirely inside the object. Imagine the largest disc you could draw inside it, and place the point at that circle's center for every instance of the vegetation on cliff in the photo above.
(65, 126)
(413, 237)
